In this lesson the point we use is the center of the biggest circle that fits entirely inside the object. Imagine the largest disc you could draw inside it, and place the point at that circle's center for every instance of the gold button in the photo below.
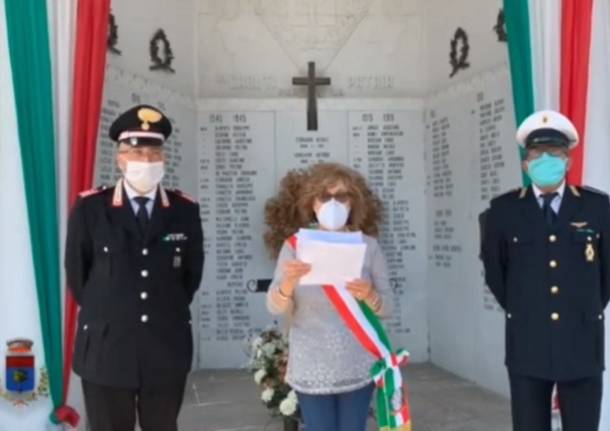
(552, 238)
(144, 252)
(553, 264)
(600, 317)
(515, 239)
(589, 239)
(554, 290)
(555, 316)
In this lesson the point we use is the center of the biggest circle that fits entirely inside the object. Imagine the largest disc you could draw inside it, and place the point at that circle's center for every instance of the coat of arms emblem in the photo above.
(20, 374)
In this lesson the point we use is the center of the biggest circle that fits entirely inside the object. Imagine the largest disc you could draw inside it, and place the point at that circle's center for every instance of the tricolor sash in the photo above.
(392, 403)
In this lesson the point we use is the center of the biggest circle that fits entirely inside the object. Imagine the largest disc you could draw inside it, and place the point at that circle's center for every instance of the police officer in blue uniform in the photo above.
(134, 259)
(546, 252)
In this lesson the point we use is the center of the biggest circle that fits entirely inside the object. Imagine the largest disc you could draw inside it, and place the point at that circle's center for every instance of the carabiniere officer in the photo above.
(134, 259)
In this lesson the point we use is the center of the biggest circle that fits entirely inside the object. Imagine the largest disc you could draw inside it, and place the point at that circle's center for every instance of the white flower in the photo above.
(292, 395)
(267, 395)
(259, 376)
(288, 406)
(268, 349)
(257, 342)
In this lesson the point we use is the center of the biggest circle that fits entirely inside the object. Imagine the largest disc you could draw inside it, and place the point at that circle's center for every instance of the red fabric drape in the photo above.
(575, 51)
(89, 68)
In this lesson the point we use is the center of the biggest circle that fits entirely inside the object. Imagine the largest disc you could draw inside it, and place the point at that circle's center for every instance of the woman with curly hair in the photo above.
(328, 368)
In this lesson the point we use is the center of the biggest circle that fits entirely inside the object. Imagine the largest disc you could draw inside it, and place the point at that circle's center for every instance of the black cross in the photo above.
(311, 81)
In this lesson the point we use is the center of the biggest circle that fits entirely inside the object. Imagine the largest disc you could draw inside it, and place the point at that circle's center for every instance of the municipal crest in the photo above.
(21, 384)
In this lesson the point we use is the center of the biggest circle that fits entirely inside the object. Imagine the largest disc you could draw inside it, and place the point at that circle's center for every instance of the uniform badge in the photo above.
(579, 224)
(171, 237)
(590, 252)
(147, 116)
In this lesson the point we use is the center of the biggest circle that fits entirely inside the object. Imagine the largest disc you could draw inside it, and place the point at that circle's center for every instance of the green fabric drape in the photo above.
(516, 13)
(29, 49)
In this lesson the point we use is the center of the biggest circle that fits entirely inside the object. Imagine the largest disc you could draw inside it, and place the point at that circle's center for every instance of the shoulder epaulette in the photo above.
(184, 195)
(592, 190)
(92, 191)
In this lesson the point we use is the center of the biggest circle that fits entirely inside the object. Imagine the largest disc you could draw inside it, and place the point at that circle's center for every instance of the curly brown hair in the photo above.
(292, 207)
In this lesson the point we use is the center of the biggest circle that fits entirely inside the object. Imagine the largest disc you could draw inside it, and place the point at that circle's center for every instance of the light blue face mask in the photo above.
(547, 170)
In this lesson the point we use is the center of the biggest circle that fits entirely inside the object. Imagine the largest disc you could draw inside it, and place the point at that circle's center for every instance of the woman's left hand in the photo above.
(359, 288)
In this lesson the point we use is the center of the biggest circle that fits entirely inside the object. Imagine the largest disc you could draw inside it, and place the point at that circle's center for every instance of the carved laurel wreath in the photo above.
(164, 61)
(500, 27)
(113, 35)
(460, 37)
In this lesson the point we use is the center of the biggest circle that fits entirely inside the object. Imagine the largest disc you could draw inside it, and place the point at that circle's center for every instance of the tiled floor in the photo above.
(229, 401)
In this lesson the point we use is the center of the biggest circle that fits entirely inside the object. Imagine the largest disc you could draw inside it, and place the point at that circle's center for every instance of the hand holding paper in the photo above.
(335, 257)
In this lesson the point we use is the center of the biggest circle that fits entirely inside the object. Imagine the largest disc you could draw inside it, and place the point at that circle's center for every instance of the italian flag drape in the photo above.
(42, 82)
(559, 59)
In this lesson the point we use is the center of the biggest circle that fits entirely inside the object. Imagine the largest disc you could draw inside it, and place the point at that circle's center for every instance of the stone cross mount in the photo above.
(311, 81)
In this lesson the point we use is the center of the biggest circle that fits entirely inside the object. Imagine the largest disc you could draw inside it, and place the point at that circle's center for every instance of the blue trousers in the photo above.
(346, 411)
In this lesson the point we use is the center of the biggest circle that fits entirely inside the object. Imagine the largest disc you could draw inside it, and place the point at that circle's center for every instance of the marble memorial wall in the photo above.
(434, 166)
(242, 157)
(471, 157)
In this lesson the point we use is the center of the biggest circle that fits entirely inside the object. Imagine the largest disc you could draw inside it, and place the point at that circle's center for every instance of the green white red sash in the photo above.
(392, 404)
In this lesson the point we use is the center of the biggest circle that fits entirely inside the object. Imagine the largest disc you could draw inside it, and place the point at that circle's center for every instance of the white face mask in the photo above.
(144, 176)
(333, 215)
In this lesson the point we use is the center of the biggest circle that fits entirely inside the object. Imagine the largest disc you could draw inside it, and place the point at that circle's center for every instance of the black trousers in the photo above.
(579, 401)
(115, 409)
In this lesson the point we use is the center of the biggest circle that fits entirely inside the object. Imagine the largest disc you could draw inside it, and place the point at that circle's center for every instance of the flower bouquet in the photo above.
(268, 362)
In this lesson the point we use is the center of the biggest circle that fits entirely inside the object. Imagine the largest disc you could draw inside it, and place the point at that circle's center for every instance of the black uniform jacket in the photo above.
(134, 290)
(553, 282)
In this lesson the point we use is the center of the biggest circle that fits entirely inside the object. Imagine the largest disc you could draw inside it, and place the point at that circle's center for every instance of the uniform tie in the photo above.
(547, 210)
(142, 214)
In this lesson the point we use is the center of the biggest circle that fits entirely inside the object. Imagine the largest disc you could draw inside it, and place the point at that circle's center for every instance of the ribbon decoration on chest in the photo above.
(392, 403)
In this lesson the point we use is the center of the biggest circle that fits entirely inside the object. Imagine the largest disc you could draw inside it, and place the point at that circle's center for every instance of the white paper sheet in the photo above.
(331, 263)
(327, 236)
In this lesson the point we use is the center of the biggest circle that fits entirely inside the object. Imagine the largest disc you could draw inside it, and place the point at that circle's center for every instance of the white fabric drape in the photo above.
(62, 24)
(545, 24)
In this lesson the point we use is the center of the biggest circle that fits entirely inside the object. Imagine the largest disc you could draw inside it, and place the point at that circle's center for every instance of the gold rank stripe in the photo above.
(117, 198)
(575, 191)
(164, 198)
(523, 192)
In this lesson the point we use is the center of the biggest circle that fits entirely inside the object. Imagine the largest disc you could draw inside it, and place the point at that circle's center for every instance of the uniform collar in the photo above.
(560, 191)
(132, 193)
(117, 197)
